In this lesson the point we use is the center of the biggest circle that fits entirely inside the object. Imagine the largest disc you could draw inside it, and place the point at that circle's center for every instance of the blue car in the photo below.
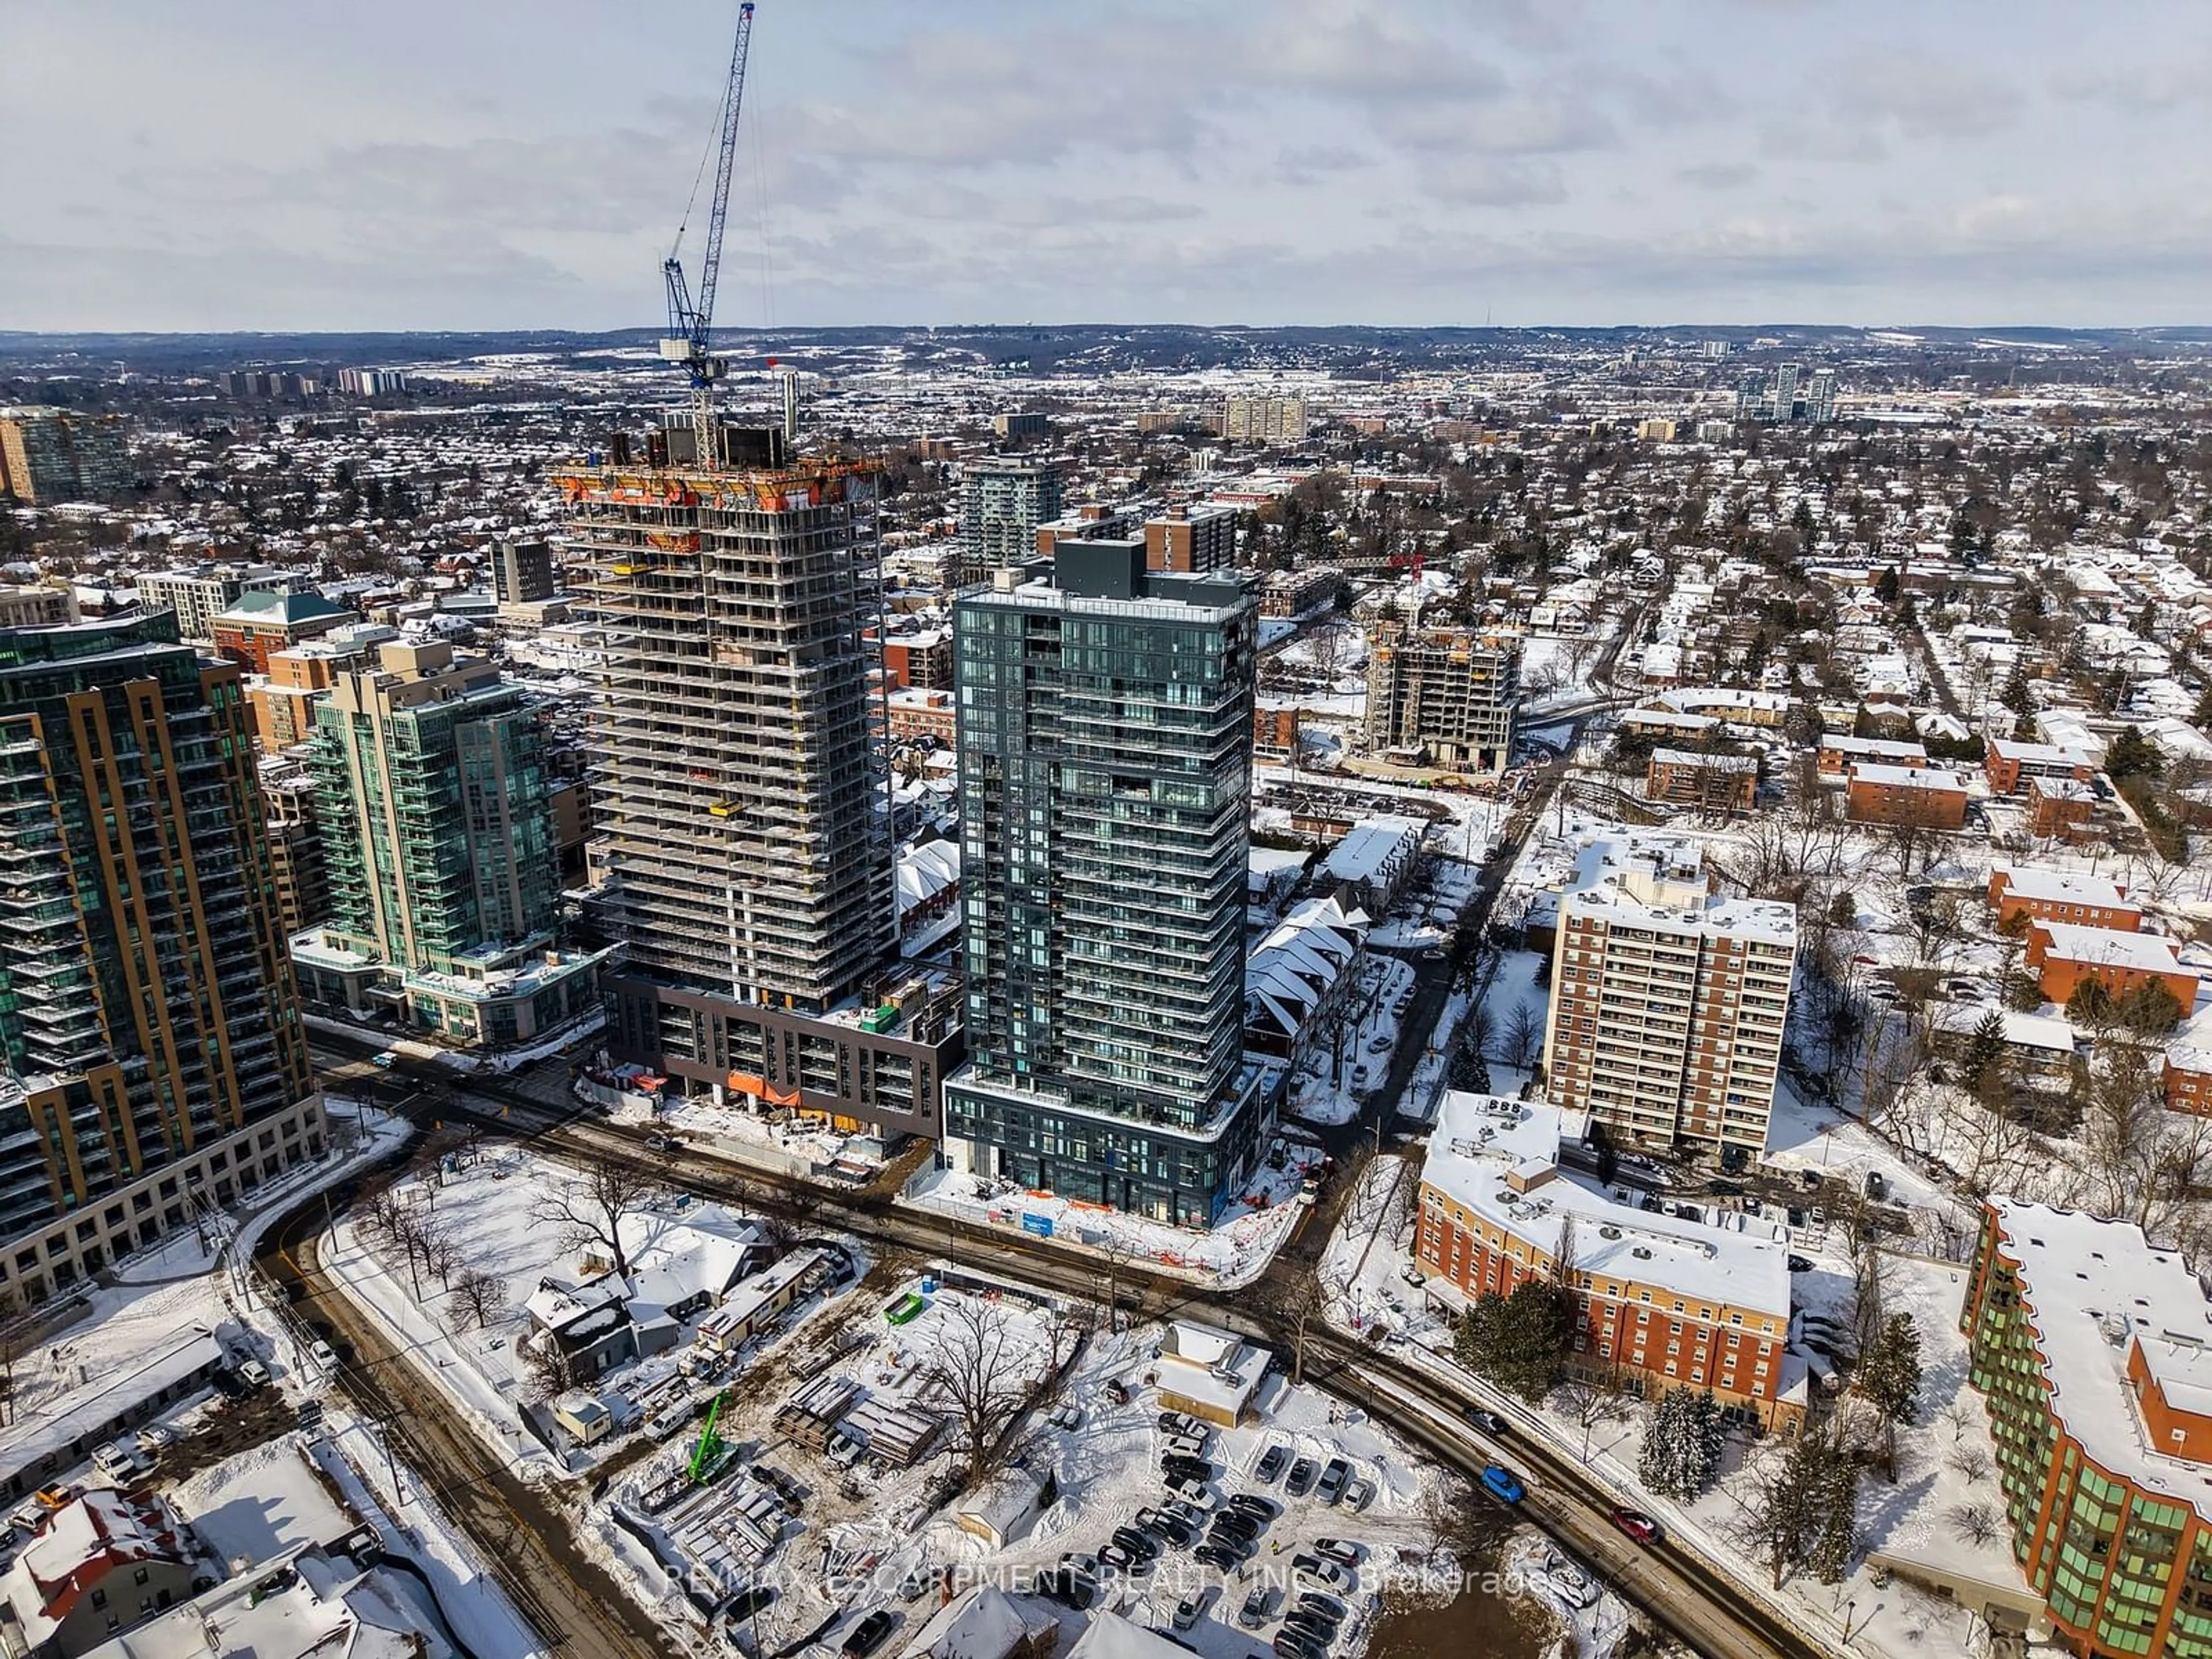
(1502, 1484)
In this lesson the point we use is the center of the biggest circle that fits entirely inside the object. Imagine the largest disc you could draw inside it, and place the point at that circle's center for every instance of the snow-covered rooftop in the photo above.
(2109, 947)
(1498, 1159)
(2094, 1287)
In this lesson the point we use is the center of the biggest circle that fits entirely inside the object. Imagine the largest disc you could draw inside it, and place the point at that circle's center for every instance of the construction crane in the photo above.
(690, 325)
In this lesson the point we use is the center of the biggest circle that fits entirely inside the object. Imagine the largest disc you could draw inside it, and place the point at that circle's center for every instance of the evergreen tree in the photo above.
(1886, 586)
(2133, 756)
(1519, 1341)
(1835, 1518)
(1844, 910)
(1984, 1050)
(1889, 1381)
(2201, 718)
(1682, 1447)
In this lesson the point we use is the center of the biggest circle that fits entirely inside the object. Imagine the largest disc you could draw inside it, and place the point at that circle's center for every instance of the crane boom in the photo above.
(690, 325)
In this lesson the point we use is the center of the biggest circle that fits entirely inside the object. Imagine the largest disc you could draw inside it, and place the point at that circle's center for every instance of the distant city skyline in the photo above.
(251, 165)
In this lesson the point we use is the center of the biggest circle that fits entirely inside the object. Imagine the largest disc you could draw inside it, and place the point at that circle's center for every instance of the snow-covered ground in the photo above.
(487, 1206)
(192, 1284)
(858, 1544)
(1232, 1252)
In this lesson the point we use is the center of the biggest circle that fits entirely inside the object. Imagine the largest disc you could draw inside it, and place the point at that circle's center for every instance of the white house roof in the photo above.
(2028, 881)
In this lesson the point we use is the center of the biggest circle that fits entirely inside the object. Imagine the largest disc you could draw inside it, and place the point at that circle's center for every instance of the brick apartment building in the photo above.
(922, 661)
(1927, 796)
(1665, 1302)
(2063, 955)
(1712, 783)
(2187, 1075)
(1275, 731)
(915, 714)
(2080, 1343)
(2009, 765)
(1667, 1002)
(2060, 895)
(1838, 754)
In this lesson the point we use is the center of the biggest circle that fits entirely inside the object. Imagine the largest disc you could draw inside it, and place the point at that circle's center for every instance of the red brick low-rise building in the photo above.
(2064, 957)
(2010, 765)
(1838, 754)
(2060, 895)
(2188, 1079)
(1926, 796)
(916, 714)
(1663, 1302)
(2060, 809)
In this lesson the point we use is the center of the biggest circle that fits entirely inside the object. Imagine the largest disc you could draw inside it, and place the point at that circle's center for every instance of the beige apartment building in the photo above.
(1668, 1001)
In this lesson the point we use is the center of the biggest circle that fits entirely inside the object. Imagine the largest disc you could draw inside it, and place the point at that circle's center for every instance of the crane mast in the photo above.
(689, 324)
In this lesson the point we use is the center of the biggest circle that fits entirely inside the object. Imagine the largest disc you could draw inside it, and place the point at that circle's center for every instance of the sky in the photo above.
(290, 165)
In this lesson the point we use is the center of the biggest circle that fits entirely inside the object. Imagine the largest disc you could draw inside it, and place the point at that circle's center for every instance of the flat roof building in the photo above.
(1668, 1001)
(1672, 1302)
(1105, 796)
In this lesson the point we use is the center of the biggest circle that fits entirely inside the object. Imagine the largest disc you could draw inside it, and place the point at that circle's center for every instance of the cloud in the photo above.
(1493, 181)
(1718, 175)
(1923, 99)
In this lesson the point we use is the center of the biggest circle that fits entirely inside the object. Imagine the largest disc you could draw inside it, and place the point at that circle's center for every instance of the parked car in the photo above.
(1637, 1525)
(1188, 1610)
(1068, 1418)
(1288, 1644)
(1319, 1631)
(1303, 1474)
(116, 1463)
(1194, 1493)
(1271, 1463)
(1167, 1528)
(868, 1635)
(1189, 1514)
(1219, 1557)
(1136, 1542)
(1488, 1421)
(254, 1374)
(56, 1497)
(1326, 1605)
(1262, 1510)
(1258, 1605)
(1358, 1494)
(1338, 1549)
(1185, 1445)
(1235, 1525)
(1569, 1581)
(1800, 1264)
(1311, 1573)
(660, 1143)
(1186, 1469)
(1181, 1423)
(1333, 1477)
(1502, 1484)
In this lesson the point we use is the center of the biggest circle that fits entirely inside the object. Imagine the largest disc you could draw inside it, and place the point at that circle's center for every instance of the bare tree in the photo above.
(587, 1210)
(1973, 1523)
(479, 1294)
(442, 1250)
(981, 1372)
(1522, 1038)
(547, 1367)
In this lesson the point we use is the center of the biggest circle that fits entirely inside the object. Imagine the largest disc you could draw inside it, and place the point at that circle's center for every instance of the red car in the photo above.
(1637, 1525)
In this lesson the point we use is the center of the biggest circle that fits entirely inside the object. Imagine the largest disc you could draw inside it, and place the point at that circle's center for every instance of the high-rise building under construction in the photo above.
(744, 853)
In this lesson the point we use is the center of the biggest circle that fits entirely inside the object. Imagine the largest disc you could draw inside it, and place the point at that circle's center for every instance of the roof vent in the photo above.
(1641, 1253)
